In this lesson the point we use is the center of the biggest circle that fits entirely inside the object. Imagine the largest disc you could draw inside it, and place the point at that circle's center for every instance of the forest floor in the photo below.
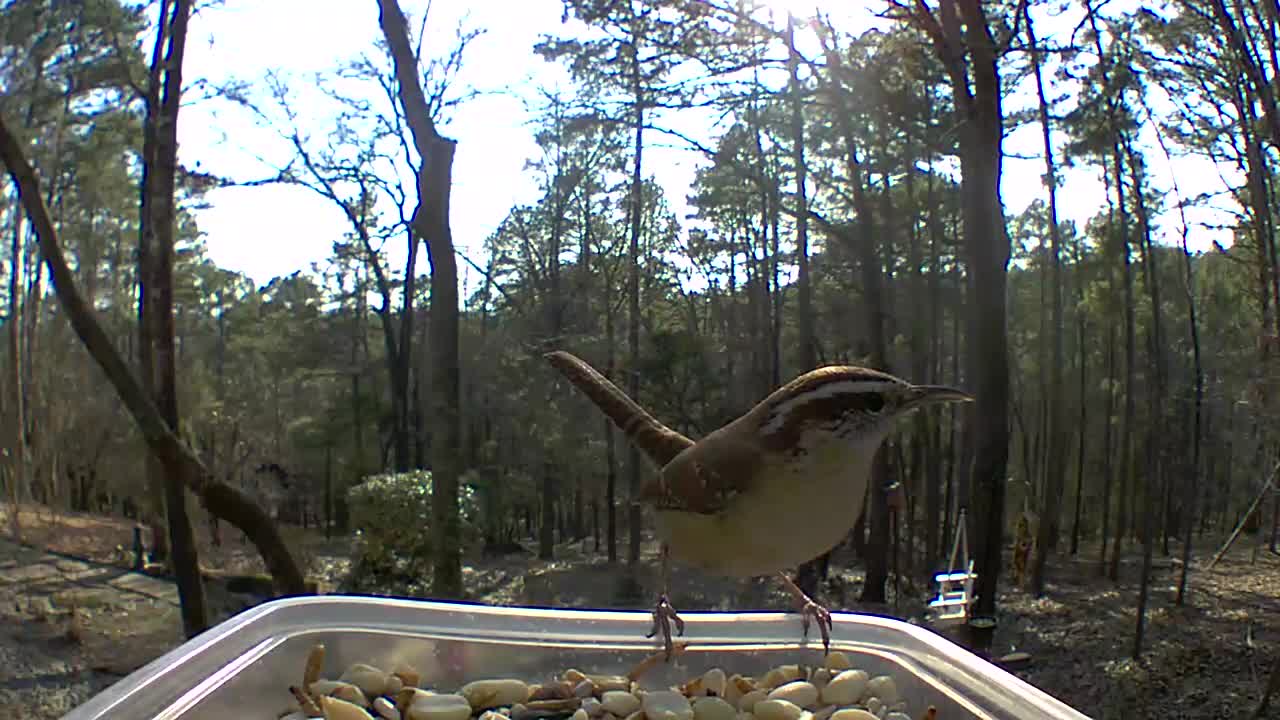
(73, 619)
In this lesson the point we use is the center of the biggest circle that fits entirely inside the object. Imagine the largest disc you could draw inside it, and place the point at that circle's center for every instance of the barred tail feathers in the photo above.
(657, 441)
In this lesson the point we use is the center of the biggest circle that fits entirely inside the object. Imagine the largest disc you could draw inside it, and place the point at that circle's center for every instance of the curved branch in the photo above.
(224, 501)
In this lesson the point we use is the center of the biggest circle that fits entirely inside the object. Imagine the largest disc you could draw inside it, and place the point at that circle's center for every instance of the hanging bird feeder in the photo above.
(955, 586)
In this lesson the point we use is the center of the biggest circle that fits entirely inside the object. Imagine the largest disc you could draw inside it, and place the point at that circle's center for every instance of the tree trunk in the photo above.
(358, 335)
(1130, 391)
(957, 449)
(546, 528)
(970, 59)
(1083, 432)
(1130, 343)
(1154, 481)
(776, 293)
(933, 508)
(1108, 467)
(1193, 331)
(554, 329)
(158, 213)
(595, 521)
(18, 478)
(1210, 472)
(154, 501)
(610, 453)
(1229, 461)
(577, 521)
(402, 362)
(987, 250)
(562, 520)
(431, 223)
(1055, 452)
(634, 320)
(420, 374)
(328, 492)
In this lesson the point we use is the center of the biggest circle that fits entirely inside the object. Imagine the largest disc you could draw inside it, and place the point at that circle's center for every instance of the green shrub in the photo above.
(391, 517)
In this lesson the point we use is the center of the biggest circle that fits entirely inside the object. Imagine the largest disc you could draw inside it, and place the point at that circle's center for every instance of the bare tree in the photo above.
(431, 223)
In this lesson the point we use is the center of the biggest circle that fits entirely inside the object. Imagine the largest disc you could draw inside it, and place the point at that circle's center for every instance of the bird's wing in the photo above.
(657, 441)
(706, 479)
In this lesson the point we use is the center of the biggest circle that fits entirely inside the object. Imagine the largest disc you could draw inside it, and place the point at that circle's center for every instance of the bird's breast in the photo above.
(793, 510)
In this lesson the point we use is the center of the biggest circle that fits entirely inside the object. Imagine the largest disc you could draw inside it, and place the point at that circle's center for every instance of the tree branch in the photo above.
(224, 501)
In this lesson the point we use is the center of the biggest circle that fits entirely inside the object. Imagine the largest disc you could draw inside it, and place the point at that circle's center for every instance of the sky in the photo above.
(273, 230)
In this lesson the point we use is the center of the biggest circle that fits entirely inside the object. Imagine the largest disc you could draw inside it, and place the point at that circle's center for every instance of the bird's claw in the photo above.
(817, 612)
(809, 609)
(664, 614)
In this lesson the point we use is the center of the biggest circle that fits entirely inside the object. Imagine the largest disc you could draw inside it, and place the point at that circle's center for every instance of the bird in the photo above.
(770, 490)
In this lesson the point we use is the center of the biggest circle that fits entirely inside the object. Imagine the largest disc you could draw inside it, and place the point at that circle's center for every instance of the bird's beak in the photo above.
(930, 394)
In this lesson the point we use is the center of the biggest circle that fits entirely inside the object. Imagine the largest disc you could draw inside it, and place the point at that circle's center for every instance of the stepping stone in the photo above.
(146, 586)
(71, 566)
(98, 598)
(28, 573)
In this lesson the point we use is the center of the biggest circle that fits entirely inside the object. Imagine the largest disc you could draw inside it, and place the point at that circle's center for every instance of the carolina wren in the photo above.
(772, 489)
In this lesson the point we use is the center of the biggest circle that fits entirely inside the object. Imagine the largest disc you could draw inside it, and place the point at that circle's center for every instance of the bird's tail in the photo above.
(657, 441)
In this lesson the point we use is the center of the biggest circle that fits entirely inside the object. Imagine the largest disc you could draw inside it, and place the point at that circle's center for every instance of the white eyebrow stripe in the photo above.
(778, 416)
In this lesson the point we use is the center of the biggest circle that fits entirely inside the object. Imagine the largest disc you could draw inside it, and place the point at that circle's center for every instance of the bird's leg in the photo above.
(810, 609)
(664, 613)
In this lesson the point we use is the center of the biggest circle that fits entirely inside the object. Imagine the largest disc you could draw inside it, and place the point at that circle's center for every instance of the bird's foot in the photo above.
(664, 614)
(810, 611)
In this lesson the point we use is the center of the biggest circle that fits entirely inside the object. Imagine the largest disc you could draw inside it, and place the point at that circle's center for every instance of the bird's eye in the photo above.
(875, 403)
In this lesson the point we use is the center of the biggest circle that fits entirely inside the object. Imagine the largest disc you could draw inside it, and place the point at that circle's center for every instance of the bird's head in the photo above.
(843, 402)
